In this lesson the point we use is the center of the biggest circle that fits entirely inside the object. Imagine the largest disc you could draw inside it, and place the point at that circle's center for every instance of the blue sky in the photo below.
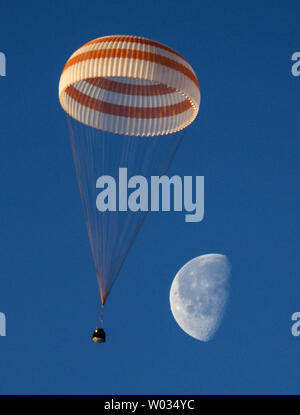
(245, 142)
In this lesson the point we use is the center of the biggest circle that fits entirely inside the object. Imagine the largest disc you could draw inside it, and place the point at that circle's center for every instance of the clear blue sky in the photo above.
(245, 142)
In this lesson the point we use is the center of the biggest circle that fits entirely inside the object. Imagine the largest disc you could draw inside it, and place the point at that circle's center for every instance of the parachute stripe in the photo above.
(130, 89)
(126, 111)
(132, 54)
(143, 127)
(133, 46)
(133, 39)
(129, 100)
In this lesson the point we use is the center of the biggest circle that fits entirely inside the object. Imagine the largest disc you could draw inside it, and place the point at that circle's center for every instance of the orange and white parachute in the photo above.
(129, 85)
(121, 94)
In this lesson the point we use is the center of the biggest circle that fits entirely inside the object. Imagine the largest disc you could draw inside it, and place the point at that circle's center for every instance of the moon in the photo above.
(199, 294)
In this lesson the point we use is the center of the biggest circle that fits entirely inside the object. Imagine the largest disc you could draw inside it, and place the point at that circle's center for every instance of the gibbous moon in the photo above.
(199, 294)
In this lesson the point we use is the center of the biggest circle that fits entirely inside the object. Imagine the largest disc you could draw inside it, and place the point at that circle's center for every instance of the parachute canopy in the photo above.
(129, 85)
(127, 99)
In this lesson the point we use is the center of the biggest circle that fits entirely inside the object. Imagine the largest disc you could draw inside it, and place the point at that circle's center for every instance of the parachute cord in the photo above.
(101, 315)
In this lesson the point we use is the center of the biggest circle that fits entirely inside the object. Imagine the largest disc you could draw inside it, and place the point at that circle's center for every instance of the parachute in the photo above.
(127, 100)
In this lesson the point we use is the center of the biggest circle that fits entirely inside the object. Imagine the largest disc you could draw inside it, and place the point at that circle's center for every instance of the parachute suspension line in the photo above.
(101, 315)
(72, 136)
(97, 153)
